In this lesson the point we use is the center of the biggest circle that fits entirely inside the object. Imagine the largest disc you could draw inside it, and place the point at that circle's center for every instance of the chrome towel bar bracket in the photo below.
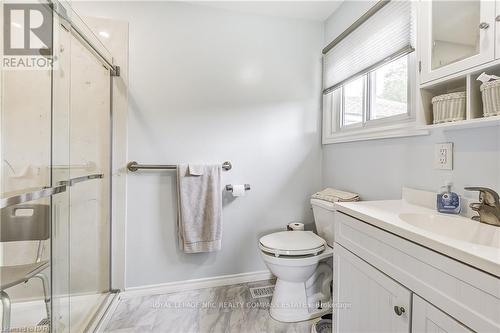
(134, 166)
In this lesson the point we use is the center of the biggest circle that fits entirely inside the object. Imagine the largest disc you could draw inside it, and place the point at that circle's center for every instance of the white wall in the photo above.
(378, 169)
(344, 16)
(209, 85)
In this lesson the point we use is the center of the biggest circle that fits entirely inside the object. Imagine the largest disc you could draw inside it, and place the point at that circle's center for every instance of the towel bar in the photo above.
(134, 166)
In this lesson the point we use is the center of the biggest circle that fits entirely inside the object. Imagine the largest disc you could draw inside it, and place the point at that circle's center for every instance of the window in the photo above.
(379, 94)
(389, 89)
(353, 102)
(369, 74)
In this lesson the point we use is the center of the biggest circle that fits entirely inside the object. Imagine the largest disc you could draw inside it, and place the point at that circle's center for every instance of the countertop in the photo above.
(386, 215)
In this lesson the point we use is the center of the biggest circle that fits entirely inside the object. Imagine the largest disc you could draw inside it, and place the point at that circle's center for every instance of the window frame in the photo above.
(368, 98)
(403, 125)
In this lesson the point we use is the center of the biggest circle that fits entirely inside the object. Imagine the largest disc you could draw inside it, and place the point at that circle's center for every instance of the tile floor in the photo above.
(228, 309)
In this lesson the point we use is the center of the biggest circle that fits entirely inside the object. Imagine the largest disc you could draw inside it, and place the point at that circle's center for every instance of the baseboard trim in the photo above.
(216, 281)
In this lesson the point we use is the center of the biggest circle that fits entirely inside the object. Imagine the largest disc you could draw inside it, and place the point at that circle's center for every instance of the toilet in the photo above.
(301, 262)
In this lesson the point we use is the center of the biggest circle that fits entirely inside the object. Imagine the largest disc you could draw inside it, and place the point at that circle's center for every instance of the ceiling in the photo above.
(310, 10)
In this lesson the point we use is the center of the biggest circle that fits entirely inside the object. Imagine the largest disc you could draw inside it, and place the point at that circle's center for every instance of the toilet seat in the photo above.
(292, 243)
(296, 261)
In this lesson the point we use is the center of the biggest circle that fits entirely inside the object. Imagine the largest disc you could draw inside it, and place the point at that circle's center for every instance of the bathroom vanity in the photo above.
(402, 267)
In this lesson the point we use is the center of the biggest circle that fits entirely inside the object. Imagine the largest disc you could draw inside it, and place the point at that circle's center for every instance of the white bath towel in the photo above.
(199, 208)
(333, 195)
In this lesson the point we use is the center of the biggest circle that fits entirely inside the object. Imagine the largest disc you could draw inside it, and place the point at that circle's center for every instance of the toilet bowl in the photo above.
(301, 262)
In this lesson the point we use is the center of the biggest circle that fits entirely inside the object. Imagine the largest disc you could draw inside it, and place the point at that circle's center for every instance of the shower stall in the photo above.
(55, 170)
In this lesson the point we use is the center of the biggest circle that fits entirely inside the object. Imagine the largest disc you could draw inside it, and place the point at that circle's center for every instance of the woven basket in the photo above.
(491, 98)
(449, 107)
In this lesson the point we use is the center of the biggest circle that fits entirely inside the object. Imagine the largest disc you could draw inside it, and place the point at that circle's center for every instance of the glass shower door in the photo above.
(84, 102)
(82, 127)
(55, 132)
(61, 173)
(90, 147)
(32, 111)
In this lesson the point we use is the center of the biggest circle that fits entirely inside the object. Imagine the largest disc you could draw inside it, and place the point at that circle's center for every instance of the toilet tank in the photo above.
(324, 219)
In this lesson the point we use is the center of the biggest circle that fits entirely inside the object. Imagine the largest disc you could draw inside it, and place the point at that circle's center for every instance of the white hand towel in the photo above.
(196, 170)
(199, 208)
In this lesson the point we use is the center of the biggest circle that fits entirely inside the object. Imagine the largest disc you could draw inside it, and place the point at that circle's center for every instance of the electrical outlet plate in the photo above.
(443, 156)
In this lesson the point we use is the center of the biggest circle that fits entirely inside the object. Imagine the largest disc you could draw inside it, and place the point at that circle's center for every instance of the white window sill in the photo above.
(375, 133)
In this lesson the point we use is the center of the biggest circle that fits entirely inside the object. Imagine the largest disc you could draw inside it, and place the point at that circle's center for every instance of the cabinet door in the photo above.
(367, 300)
(454, 36)
(428, 319)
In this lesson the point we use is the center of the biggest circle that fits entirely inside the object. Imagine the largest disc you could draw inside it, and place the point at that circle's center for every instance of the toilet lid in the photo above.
(292, 243)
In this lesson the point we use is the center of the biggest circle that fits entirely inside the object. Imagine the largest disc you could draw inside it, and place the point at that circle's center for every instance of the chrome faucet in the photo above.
(488, 206)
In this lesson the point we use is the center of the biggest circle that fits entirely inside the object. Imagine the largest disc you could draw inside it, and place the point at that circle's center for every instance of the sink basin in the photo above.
(455, 227)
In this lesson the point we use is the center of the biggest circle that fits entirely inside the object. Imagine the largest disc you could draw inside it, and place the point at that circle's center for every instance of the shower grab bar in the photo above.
(80, 179)
(134, 166)
(34, 194)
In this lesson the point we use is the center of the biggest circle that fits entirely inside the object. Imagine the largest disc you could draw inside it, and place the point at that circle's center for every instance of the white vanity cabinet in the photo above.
(429, 319)
(368, 301)
(455, 36)
(377, 274)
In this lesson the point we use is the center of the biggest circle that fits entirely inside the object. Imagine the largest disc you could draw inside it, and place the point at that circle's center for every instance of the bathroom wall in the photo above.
(209, 85)
(378, 169)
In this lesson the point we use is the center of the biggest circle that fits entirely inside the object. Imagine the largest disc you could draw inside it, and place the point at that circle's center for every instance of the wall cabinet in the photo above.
(369, 301)
(455, 36)
(457, 41)
(385, 283)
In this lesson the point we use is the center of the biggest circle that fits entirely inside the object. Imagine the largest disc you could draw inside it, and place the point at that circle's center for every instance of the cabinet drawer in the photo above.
(465, 293)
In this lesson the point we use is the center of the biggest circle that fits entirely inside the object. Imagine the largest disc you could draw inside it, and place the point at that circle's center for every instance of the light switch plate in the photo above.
(443, 156)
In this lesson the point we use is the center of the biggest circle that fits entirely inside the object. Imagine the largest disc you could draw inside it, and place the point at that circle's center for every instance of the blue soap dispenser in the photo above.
(448, 202)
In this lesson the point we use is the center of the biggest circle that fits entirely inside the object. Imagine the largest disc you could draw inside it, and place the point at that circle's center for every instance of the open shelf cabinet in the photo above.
(466, 82)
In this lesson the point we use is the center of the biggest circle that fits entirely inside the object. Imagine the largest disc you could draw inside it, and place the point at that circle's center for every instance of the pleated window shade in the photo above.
(388, 32)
